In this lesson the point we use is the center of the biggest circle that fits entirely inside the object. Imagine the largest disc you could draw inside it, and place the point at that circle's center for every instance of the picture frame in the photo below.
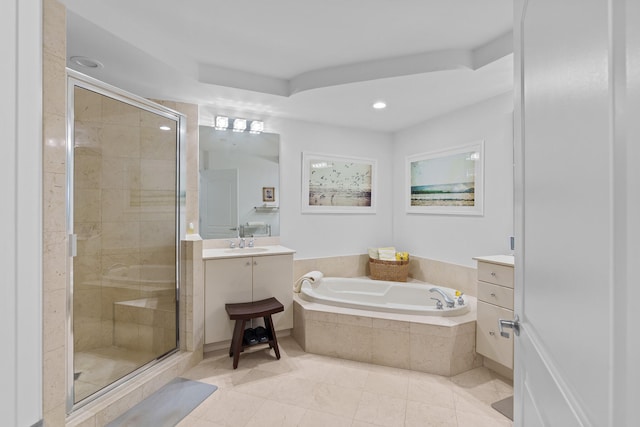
(338, 184)
(268, 194)
(446, 182)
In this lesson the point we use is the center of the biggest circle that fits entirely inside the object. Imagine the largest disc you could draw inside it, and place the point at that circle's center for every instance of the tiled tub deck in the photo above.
(432, 344)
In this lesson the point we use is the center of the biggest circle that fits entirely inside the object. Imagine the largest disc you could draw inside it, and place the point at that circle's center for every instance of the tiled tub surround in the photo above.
(432, 344)
(444, 346)
(427, 270)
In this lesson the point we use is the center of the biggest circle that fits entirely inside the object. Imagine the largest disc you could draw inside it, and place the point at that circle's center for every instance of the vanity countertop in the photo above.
(218, 253)
(507, 260)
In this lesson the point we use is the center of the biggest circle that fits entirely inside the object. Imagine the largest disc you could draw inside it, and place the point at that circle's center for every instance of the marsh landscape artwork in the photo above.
(337, 184)
(446, 182)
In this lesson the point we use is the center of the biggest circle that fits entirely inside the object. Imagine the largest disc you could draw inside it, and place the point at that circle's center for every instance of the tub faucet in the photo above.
(447, 298)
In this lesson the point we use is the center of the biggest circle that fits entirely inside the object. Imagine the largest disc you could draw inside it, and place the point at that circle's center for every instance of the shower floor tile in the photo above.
(100, 367)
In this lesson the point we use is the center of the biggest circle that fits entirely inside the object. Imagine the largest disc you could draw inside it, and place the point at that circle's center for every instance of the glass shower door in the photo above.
(123, 219)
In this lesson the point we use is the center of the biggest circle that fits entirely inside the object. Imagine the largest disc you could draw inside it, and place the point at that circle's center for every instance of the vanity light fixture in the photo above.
(256, 126)
(239, 125)
(222, 122)
(379, 105)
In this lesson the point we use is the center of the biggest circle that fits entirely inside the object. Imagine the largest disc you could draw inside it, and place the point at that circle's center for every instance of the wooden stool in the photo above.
(244, 311)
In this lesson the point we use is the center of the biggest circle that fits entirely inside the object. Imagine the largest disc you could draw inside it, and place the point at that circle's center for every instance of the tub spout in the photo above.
(447, 298)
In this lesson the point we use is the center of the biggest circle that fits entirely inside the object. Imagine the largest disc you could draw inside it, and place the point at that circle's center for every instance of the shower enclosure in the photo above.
(123, 210)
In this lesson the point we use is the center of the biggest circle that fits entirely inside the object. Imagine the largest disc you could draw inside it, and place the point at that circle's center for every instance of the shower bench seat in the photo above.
(241, 312)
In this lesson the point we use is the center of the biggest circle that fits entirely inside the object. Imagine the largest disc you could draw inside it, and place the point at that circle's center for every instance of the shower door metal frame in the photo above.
(76, 79)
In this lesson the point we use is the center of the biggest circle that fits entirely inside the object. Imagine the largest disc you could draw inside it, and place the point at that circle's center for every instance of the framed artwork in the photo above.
(447, 182)
(268, 194)
(338, 184)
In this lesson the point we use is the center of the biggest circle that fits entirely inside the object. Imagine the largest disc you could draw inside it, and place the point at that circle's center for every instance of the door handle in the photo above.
(513, 324)
(73, 245)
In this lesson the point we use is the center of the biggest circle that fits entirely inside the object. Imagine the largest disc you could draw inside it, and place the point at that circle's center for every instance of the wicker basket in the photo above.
(395, 271)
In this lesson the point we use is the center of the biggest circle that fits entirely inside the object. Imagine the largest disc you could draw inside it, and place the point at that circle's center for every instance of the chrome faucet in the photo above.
(447, 298)
(251, 242)
(241, 242)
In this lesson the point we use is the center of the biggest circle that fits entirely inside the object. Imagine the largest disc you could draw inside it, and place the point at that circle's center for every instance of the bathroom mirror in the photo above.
(239, 184)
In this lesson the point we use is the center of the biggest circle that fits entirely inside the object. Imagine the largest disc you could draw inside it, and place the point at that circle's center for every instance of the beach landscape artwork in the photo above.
(336, 184)
(446, 182)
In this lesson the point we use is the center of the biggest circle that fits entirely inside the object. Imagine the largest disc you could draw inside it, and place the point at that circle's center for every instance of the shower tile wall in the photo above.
(55, 345)
(124, 216)
(54, 213)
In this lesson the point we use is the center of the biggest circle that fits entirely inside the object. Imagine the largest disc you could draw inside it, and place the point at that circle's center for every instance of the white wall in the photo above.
(21, 213)
(456, 239)
(320, 235)
(627, 375)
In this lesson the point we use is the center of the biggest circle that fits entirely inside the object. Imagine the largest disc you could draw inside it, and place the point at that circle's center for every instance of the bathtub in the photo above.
(378, 295)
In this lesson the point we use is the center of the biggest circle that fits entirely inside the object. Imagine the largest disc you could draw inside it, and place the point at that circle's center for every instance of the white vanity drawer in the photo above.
(495, 294)
(495, 273)
(489, 342)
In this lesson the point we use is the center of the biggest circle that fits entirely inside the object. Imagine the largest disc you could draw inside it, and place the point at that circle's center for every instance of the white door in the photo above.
(218, 203)
(575, 191)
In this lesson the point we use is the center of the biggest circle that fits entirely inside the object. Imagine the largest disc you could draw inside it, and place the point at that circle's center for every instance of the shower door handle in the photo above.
(73, 245)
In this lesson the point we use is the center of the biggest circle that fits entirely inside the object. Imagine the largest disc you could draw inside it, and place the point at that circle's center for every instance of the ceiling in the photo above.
(322, 61)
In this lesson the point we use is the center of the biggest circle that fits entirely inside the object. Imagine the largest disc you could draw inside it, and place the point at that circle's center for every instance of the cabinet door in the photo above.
(488, 340)
(273, 277)
(226, 281)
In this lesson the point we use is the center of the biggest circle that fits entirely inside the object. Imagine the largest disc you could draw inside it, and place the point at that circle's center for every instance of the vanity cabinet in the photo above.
(246, 279)
(495, 301)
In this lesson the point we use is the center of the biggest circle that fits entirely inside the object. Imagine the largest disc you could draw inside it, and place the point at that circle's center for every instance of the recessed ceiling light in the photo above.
(380, 105)
(84, 61)
(165, 128)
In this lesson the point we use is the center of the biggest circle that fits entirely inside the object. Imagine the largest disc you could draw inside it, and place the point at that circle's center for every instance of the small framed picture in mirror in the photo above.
(268, 194)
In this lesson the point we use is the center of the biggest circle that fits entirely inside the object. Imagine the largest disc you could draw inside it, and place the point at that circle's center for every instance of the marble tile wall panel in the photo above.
(340, 266)
(119, 172)
(435, 349)
(426, 270)
(54, 212)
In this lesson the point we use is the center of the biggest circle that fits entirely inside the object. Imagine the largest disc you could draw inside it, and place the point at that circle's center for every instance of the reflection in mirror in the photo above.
(239, 184)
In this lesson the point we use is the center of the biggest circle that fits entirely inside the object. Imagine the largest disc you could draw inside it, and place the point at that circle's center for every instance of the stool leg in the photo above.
(236, 341)
(273, 341)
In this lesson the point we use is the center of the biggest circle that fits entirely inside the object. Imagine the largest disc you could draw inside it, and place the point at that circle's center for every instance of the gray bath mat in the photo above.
(167, 406)
(505, 407)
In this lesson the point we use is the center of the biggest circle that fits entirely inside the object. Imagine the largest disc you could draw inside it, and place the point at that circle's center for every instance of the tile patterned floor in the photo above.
(100, 367)
(308, 390)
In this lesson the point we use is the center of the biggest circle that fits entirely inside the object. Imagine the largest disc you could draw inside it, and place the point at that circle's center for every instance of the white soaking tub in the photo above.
(378, 295)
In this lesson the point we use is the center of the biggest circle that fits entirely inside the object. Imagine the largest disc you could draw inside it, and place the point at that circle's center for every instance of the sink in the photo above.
(246, 250)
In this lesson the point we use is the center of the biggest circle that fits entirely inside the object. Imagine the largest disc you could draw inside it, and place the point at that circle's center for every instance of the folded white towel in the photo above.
(387, 254)
(373, 253)
(311, 277)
